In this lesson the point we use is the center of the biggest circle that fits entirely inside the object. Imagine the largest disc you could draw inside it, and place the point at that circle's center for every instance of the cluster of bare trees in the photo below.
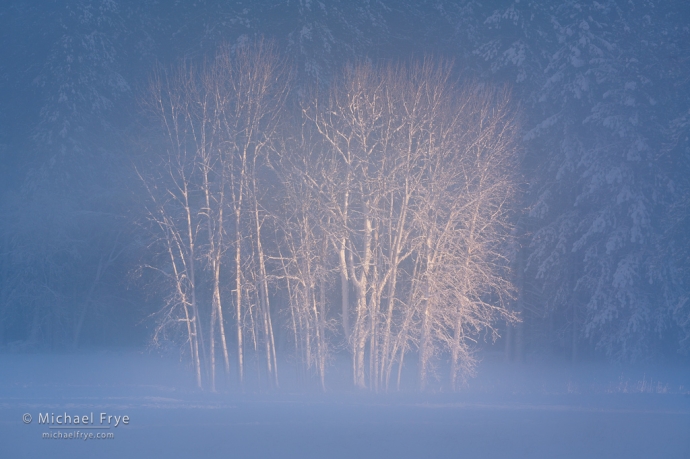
(378, 213)
(218, 121)
(411, 183)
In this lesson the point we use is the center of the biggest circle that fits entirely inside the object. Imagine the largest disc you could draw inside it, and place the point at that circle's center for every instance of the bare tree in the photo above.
(416, 190)
(463, 220)
(304, 248)
(172, 208)
(256, 80)
(219, 120)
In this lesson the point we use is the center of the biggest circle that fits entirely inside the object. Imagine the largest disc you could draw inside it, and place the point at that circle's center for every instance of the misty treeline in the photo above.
(371, 217)
(598, 247)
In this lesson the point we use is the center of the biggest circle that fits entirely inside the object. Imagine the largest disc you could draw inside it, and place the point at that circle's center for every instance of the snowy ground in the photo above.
(508, 411)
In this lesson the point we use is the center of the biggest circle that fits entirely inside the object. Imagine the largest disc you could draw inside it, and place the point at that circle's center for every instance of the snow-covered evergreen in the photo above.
(600, 98)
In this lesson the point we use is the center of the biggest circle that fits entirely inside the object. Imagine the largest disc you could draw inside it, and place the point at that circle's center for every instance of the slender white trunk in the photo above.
(345, 291)
(271, 360)
(238, 298)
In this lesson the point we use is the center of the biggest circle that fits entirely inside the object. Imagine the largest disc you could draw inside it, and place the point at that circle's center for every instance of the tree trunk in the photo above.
(238, 299)
(344, 291)
(271, 360)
